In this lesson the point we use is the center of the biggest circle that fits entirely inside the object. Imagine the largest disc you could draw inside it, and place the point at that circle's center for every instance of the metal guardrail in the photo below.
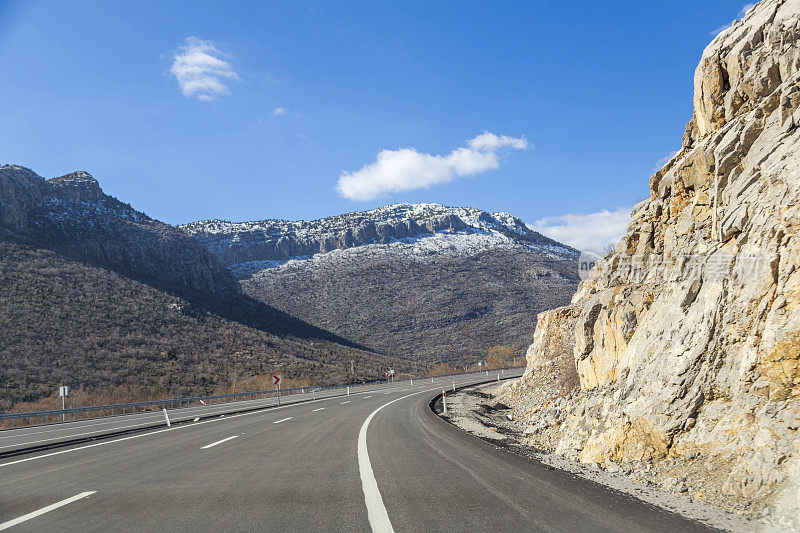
(72, 414)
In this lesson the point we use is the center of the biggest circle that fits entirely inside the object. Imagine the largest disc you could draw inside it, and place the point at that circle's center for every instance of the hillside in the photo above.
(95, 294)
(686, 339)
(425, 281)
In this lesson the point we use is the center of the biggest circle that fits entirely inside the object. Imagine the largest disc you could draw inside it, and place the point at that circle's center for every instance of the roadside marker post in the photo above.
(166, 416)
(348, 391)
(498, 377)
(276, 380)
(454, 384)
(63, 391)
(444, 402)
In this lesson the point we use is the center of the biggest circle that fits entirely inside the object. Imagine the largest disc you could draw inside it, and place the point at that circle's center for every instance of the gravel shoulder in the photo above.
(476, 410)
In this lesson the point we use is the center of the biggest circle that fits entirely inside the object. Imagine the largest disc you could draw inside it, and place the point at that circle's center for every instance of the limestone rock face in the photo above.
(20, 191)
(688, 335)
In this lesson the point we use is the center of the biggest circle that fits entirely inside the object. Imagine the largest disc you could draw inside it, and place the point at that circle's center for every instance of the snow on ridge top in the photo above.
(476, 218)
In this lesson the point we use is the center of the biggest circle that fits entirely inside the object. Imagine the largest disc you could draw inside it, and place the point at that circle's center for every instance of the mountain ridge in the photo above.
(411, 280)
(282, 240)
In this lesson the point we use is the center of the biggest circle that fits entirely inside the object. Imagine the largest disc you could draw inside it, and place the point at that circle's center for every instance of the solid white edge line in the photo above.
(207, 446)
(43, 510)
(376, 510)
(282, 420)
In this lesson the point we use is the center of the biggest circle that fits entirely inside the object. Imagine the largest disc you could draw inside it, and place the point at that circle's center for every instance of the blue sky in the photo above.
(298, 94)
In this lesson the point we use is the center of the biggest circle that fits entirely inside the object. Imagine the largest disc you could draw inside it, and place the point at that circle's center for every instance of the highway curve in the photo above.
(378, 460)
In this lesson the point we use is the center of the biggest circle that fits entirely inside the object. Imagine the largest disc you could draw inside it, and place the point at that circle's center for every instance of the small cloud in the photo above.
(407, 169)
(591, 232)
(745, 9)
(200, 71)
(281, 111)
(663, 161)
(742, 12)
(720, 29)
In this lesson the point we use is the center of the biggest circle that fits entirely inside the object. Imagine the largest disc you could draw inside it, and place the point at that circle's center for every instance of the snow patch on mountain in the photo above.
(418, 230)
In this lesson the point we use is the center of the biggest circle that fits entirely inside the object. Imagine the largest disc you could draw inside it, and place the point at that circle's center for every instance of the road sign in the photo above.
(387, 373)
(63, 391)
(276, 380)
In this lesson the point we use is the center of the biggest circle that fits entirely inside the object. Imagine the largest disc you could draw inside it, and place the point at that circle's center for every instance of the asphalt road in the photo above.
(22, 438)
(378, 460)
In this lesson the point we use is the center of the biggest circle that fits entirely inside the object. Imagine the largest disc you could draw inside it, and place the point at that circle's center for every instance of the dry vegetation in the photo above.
(448, 308)
(66, 322)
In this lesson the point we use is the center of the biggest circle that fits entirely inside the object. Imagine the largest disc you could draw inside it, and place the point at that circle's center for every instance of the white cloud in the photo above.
(590, 232)
(200, 71)
(407, 169)
(281, 111)
(663, 161)
(745, 9)
(742, 12)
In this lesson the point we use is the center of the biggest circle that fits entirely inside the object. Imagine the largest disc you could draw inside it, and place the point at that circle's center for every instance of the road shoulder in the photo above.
(474, 409)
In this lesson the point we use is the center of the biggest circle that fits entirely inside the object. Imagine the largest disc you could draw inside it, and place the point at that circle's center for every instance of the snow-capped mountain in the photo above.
(421, 230)
(97, 292)
(422, 281)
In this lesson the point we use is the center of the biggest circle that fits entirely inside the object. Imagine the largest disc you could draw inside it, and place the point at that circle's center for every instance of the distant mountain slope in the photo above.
(71, 215)
(419, 281)
(94, 293)
(64, 321)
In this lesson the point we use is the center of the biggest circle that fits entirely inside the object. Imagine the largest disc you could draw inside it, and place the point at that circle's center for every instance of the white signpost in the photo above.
(63, 392)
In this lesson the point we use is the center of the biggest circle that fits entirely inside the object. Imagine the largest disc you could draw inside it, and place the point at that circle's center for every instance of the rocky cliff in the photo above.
(424, 281)
(71, 215)
(687, 336)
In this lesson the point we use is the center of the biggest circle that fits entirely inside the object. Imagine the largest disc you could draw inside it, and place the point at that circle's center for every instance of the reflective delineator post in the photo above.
(167, 417)
(444, 402)
(454, 385)
(348, 391)
(412, 382)
(498, 377)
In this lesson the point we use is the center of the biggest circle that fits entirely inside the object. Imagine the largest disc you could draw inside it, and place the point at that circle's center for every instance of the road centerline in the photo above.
(282, 420)
(43, 510)
(207, 446)
(318, 409)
